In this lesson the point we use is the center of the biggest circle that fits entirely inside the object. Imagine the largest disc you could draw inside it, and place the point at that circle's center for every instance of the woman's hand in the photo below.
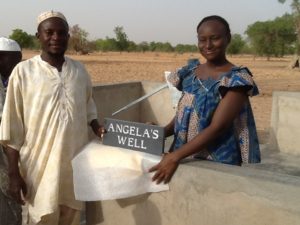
(165, 169)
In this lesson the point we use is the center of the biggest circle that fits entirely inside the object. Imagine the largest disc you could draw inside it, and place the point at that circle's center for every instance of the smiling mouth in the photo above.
(56, 46)
(209, 52)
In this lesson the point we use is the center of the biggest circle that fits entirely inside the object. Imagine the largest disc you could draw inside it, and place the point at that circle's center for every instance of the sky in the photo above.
(173, 21)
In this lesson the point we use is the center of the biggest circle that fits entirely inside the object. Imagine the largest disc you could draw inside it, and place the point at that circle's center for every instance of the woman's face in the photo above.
(213, 40)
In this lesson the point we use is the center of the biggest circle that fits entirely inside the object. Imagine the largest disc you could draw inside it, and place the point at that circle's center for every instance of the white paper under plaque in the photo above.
(104, 172)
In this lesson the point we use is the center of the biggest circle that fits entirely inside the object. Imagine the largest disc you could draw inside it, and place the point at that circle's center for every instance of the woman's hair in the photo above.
(218, 18)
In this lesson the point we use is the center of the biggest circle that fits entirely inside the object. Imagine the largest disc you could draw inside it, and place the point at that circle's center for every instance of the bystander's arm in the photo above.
(16, 181)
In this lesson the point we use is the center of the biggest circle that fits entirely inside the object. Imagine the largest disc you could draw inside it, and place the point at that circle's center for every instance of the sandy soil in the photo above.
(117, 67)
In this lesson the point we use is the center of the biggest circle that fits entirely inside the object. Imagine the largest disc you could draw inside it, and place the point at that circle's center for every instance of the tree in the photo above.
(295, 5)
(25, 40)
(272, 37)
(78, 39)
(285, 34)
(152, 46)
(261, 38)
(121, 37)
(236, 45)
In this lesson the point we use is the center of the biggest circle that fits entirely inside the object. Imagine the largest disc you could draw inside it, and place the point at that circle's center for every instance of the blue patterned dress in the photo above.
(200, 98)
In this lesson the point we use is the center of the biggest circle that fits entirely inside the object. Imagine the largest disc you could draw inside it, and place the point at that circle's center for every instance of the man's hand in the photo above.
(98, 129)
(101, 130)
(165, 169)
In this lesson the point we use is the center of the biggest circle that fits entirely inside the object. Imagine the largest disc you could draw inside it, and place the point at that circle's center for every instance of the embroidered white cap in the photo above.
(9, 45)
(50, 14)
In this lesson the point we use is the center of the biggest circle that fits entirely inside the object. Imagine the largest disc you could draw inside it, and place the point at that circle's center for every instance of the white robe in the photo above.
(45, 118)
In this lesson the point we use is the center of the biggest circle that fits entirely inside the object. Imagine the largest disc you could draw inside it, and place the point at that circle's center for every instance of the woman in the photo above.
(214, 119)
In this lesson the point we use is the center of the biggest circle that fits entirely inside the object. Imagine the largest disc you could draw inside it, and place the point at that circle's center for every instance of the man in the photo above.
(10, 55)
(45, 124)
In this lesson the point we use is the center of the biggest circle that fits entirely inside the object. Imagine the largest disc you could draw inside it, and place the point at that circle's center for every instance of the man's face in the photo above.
(8, 60)
(53, 35)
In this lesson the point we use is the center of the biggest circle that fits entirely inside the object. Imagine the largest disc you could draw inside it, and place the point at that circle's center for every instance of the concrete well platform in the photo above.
(207, 193)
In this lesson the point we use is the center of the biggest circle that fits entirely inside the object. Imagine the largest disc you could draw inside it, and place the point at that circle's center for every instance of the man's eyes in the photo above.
(61, 33)
(48, 32)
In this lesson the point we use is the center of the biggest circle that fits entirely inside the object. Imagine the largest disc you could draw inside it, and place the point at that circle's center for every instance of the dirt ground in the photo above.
(270, 76)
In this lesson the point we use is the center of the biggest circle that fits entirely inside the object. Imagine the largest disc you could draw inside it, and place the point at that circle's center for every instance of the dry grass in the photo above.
(114, 67)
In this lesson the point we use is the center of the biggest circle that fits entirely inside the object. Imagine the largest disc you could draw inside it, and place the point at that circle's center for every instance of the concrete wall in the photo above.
(285, 122)
(110, 98)
(204, 193)
(157, 108)
(209, 193)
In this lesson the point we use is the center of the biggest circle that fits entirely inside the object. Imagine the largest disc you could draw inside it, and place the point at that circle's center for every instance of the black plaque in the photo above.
(136, 136)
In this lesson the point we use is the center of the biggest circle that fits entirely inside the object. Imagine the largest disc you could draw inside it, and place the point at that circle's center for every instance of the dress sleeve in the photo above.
(239, 78)
(12, 124)
(176, 78)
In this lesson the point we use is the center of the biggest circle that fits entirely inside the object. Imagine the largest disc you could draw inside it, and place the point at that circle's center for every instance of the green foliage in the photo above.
(121, 37)
(143, 47)
(236, 45)
(108, 44)
(160, 47)
(25, 40)
(295, 5)
(120, 43)
(285, 34)
(180, 48)
(247, 49)
(132, 47)
(36, 43)
(261, 38)
(272, 38)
